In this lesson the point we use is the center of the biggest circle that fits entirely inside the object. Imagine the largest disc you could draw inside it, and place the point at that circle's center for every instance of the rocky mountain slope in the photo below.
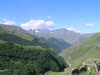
(58, 39)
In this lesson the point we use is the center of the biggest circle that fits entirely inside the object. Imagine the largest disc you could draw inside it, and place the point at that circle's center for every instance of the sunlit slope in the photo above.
(57, 44)
(87, 48)
(15, 30)
(17, 60)
(11, 37)
(20, 56)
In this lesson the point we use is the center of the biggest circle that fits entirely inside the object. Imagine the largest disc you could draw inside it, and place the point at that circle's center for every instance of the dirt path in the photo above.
(47, 73)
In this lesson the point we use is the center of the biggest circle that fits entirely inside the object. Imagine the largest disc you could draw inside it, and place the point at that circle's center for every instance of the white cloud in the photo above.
(49, 17)
(88, 32)
(89, 25)
(73, 29)
(9, 22)
(36, 31)
(37, 24)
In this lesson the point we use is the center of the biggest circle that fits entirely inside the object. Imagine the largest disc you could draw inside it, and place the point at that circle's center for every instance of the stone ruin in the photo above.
(86, 67)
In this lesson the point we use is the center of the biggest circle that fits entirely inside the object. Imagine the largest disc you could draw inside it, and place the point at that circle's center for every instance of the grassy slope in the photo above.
(24, 36)
(20, 35)
(57, 45)
(84, 49)
(51, 39)
(2, 31)
(20, 38)
(78, 53)
(15, 30)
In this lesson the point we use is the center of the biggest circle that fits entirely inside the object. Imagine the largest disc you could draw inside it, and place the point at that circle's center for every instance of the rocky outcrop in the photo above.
(78, 70)
(89, 66)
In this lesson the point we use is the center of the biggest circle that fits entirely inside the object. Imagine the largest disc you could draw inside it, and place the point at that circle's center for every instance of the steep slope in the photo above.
(20, 56)
(11, 37)
(15, 60)
(87, 48)
(17, 31)
(13, 28)
(78, 54)
(59, 36)
(64, 34)
(57, 44)
(54, 39)
(58, 39)
(68, 36)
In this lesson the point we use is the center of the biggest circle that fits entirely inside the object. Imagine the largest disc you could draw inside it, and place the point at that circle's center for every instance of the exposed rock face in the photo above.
(89, 66)
(78, 70)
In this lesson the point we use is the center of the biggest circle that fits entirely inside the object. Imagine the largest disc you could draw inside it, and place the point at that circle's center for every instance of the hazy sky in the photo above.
(78, 15)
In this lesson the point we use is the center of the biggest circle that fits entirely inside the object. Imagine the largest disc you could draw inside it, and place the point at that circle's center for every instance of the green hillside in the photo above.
(15, 60)
(24, 35)
(15, 30)
(51, 39)
(3, 31)
(87, 48)
(80, 52)
(57, 44)
(11, 37)
(20, 56)
(58, 39)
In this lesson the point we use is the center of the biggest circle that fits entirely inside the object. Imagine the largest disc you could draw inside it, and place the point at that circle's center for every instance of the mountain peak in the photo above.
(61, 29)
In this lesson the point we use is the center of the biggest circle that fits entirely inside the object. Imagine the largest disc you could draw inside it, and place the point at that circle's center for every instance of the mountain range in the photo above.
(59, 39)
(32, 52)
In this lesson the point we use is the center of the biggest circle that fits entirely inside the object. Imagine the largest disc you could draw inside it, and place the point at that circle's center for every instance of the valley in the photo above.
(49, 37)
(84, 50)
(74, 54)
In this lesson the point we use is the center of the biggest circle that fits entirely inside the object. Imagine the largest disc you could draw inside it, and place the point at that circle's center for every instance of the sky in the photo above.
(77, 15)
